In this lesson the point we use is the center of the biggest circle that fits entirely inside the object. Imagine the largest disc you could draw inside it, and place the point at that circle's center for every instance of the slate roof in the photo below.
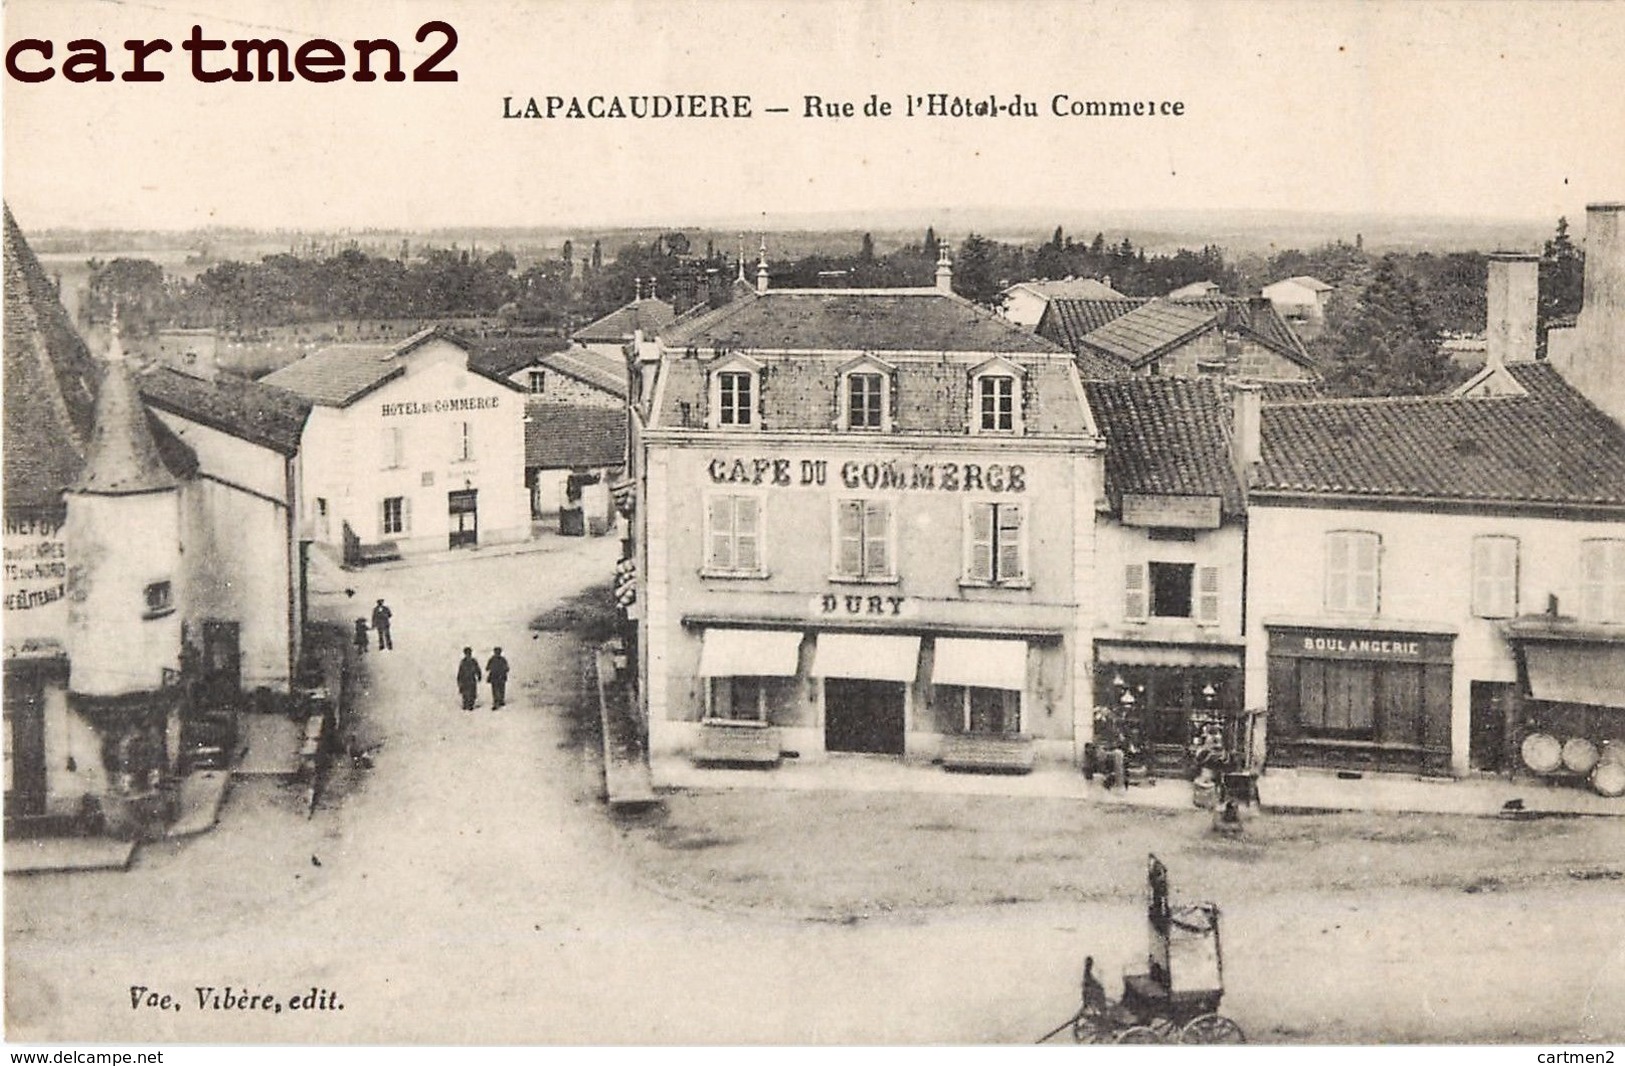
(253, 411)
(122, 458)
(51, 384)
(1166, 436)
(650, 315)
(562, 436)
(1550, 446)
(1135, 331)
(854, 320)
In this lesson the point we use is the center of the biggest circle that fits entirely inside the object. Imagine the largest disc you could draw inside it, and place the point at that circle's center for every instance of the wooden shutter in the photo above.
(747, 533)
(876, 538)
(719, 533)
(849, 538)
(1207, 595)
(979, 538)
(1337, 571)
(1364, 563)
(406, 514)
(1009, 537)
(1136, 597)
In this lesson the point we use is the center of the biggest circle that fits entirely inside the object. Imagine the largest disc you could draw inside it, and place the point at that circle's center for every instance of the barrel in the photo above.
(1608, 778)
(1542, 753)
(1579, 755)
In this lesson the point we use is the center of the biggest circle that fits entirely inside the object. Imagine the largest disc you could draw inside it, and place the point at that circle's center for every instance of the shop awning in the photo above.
(749, 653)
(1577, 673)
(980, 663)
(872, 656)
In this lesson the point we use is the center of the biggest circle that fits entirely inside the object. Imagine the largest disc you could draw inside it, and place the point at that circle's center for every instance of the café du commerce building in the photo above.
(865, 526)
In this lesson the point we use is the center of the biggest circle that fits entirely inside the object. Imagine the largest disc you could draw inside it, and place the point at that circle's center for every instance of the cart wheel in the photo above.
(1211, 1029)
(1166, 1028)
(1088, 1029)
(1139, 1034)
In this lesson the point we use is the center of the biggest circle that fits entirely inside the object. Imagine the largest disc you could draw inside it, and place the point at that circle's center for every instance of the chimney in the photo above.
(1511, 304)
(761, 268)
(945, 269)
(1591, 362)
(1246, 436)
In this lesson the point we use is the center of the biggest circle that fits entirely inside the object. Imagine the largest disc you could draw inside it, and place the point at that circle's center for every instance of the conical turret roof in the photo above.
(122, 458)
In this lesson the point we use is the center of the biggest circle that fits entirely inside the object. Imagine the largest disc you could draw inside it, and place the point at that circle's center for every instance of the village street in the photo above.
(470, 888)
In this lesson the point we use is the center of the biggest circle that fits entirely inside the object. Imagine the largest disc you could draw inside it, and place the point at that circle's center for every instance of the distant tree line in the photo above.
(1385, 320)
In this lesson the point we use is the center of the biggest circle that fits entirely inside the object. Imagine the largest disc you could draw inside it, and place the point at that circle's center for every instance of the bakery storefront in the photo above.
(1354, 699)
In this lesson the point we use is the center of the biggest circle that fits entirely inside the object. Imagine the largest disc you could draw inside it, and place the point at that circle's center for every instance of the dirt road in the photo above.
(470, 889)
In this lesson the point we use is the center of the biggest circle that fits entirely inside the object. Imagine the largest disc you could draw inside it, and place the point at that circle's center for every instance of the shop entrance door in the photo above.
(864, 716)
(222, 663)
(1487, 726)
(463, 509)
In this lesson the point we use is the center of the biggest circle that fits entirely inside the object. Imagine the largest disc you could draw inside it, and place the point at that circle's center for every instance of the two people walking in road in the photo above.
(469, 675)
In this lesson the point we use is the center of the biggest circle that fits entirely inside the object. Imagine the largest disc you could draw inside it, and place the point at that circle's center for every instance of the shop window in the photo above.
(1495, 577)
(738, 699)
(733, 536)
(538, 381)
(397, 516)
(394, 448)
(463, 446)
(864, 540)
(1171, 590)
(1602, 580)
(983, 711)
(159, 599)
(865, 401)
(1352, 561)
(995, 544)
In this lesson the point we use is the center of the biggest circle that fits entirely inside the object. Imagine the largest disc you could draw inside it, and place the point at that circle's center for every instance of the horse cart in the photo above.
(1176, 999)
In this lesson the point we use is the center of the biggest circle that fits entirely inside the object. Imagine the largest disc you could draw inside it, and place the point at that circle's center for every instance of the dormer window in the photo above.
(865, 395)
(735, 383)
(996, 398)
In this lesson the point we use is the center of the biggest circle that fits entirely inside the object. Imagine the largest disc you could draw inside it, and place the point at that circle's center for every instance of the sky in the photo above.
(1484, 110)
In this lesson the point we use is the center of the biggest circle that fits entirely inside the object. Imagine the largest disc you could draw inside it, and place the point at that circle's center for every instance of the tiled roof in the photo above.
(1070, 288)
(253, 411)
(505, 355)
(854, 320)
(601, 371)
(562, 436)
(930, 395)
(340, 375)
(1067, 321)
(650, 315)
(1290, 391)
(1550, 446)
(1135, 331)
(1166, 436)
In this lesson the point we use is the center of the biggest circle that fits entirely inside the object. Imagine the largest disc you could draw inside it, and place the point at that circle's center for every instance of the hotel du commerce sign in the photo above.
(894, 474)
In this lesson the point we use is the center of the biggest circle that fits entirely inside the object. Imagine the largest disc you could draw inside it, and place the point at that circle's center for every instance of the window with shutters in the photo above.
(864, 541)
(733, 537)
(1495, 577)
(1171, 590)
(397, 516)
(1353, 559)
(996, 544)
(1602, 580)
(538, 381)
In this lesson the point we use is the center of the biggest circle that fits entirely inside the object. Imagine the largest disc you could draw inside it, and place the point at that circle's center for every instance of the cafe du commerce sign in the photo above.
(946, 476)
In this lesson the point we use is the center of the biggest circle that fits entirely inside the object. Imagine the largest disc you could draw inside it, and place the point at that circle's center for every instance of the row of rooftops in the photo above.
(1546, 446)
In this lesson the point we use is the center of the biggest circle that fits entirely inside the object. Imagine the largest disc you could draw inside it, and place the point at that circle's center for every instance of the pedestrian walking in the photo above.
(380, 623)
(496, 672)
(361, 636)
(468, 678)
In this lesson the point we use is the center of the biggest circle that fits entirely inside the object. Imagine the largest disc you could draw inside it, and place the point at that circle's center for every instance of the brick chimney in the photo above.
(1592, 363)
(1247, 429)
(945, 269)
(1514, 286)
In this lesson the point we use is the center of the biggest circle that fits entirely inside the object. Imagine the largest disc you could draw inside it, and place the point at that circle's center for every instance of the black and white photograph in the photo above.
(865, 523)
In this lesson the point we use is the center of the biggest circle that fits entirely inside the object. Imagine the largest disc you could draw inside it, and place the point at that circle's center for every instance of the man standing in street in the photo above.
(468, 678)
(380, 622)
(496, 672)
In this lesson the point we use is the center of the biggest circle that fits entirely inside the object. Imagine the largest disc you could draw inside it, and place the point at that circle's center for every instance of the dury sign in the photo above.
(944, 476)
